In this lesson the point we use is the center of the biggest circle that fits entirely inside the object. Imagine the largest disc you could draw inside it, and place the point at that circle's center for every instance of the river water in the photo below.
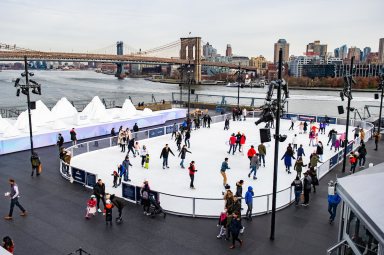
(84, 85)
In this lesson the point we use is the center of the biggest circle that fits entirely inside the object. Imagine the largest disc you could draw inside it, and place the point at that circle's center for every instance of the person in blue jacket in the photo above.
(249, 201)
(333, 201)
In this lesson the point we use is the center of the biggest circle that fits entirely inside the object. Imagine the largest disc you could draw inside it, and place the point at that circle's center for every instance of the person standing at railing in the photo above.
(182, 155)
(73, 136)
(356, 132)
(244, 114)
(205, 121)
(122, 140)
(313, 160)
(223, 169)
(299, 164)
(164, 154)
(209, 119)
(113, 135)
(307, 181)
(249, 201)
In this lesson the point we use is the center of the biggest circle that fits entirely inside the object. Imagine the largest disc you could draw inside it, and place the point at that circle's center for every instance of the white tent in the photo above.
(11, 131)
(4, 124)
(95, 110)
(147, 111)
(44, 113)
(22, 122)
(58, 124)
(63, 109)
(128, 110)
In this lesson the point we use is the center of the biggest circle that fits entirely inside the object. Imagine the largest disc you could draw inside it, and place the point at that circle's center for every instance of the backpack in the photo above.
(35, 161)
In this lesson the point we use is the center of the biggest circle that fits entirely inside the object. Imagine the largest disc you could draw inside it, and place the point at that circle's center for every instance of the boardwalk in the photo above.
(56, 225)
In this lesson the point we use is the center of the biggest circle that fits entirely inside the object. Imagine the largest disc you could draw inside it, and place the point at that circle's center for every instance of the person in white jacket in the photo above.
(244, 113)
(143, 153)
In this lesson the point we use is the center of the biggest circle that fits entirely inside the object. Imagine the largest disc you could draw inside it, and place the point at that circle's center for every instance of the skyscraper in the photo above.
(317, 49)
(337, 52)
(209, 51)
(381, 50)
(365, 54)
(343, 51)
(281, 44)
(228, 51)
(354, 52)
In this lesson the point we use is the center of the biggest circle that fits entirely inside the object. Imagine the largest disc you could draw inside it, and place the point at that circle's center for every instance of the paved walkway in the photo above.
(56, 225)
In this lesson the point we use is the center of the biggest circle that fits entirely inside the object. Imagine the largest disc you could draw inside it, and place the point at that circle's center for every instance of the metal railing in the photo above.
(195, 206)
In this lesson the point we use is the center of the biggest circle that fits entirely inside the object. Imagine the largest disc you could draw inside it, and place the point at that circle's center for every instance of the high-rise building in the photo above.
(365, 54)
(228, 51)
(209, 51)
(354, 52)
(337, 52)
(281, 44)
(343, 51)
(316, 49)
(381, 50)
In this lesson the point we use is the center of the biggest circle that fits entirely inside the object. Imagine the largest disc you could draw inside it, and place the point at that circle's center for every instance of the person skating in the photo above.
(333, 201)
(288, 156)
(226, 124)
(122, 140)
(179, 139)
(14, 197)
(73, 136)
(254, 166)
(294, 142)
(243, 138)
(192, 171)
(244, 112)
(249, 201)
(146, 165)
(108, 212)
(60, 141)
(292, 125)
(234, 113)
(209, 119)
(126, 164)
(119, 204)
(300, 151)
(298, 188)
(262, 152)
(164, 154)
(251, 152)
(298, 167)
(322, 127)
(205, 121)
(182, 155)
(137, 149)
(362, 154)
(174, 130)
(91, 207)
(222, 224)
(115, 178)
(330, 135)
(305, 127)
(314, 160)
(8, 244)
(301, 127)
(36, 164)
(131, 145)
(99, 192)
(143, 154)
(187, 138)
(232, 144)
(311, 136)
(238, 137)
(234, 228)
(320, 150)
(144, 192)
(307, 181)
(223, 169)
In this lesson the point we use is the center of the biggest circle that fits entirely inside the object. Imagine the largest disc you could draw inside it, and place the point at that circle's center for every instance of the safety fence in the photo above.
(207, 207)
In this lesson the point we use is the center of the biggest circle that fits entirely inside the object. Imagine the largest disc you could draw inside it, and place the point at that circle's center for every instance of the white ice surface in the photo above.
(209, 148)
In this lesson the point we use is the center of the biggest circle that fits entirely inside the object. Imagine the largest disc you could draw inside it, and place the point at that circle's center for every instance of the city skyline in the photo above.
(251, 28)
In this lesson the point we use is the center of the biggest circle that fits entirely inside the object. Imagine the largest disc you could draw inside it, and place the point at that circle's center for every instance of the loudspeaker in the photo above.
(32, 105)
(376, 96)
(265, 135)
(192, 91)
(340, 108)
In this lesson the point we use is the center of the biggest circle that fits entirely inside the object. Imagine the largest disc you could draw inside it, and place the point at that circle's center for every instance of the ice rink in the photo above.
(209, 147)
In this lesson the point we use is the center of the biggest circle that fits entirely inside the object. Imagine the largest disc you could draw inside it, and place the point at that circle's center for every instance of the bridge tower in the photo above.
(120, 67)
(191, 50)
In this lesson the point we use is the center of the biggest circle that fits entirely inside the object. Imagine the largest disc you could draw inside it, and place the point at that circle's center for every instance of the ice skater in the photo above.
(192, 171)
(179, 139)
(143, 154)
(251, 152)
(126, 164)
(223, 169)
(288, 156)
(262, 152)
(187, 138)
(292, 124)
(137, 149)
(305, 127)
(226, 124)
(164, 154)
(254, 166)
(243, 138)
(146, 165)
(301, 127)
(115, 177)
(131, 145)
(232, 144)
(182, 155)
(294, 142)
(311, 138)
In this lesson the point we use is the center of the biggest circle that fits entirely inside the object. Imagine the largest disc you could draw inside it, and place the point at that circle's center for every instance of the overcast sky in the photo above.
(251, 27)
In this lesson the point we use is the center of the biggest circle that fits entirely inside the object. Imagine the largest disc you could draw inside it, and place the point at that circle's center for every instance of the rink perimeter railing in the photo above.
(206, 207)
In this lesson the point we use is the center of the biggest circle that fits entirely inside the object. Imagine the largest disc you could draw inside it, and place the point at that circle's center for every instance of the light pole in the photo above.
(347, 92)
(238, 86)
(36, 89)
(277, 135)
(381, 87)
(189, 86)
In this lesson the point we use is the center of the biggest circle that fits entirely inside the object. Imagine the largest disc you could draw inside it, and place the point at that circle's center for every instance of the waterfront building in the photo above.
(242, 60)
(354, 52)
(365, 54)
(343, 51)
(260, 63)
(317, 49)
(213, 70)
(209, 51)
(381, 50)
(281, 44)
(373, 58)
(228, 51)
(336, 52)
(360, 70)
(296, 64)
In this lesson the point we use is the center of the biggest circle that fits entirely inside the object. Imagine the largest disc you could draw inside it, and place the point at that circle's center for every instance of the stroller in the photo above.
(155, 207)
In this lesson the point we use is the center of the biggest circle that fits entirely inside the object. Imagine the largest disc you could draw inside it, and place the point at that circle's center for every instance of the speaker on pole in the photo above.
(265, 135)
(192, 91)
(340, 108)
(376, 96)
(32, 105)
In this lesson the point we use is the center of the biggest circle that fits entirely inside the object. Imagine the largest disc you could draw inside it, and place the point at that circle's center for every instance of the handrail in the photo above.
(322, 169)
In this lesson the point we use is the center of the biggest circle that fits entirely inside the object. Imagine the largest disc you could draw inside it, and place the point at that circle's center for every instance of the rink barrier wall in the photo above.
(285, 197)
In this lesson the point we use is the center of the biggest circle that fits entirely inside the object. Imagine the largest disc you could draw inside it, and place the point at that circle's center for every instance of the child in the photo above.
(294, 142)
(108, 212)
(115, 176)
(91, 207)
(222, 224)
(146, 165)
(301, 127)
(337, 145)
(137, 149)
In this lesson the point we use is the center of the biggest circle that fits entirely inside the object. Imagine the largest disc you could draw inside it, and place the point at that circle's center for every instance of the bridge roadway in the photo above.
(85, 57)
(56, 225)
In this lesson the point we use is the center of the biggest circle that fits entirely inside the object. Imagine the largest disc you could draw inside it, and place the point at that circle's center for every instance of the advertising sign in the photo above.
(156, 132)
(78, 175)
(128, 191)
(91, 179)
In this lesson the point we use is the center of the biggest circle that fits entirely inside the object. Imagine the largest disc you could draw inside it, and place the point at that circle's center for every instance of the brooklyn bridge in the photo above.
(189, 52)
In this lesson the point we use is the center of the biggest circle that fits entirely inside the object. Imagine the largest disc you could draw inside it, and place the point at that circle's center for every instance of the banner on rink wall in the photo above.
(333, 161)
(78, 175)
(156, 132)
(129, 191)
(91, 179)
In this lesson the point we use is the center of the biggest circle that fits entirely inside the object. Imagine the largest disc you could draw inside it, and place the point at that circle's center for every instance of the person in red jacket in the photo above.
(91, 206)
(250, 153)
(192, 171)
(232, 144)
(242, 142)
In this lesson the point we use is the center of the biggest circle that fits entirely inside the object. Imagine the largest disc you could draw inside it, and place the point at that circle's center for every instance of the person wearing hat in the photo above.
(333, 201)
(224, 167)
(353, 162)
(91, 206)
(144, 192)
(119, 203)
(249, 201)
(108, 212)
(307, 181)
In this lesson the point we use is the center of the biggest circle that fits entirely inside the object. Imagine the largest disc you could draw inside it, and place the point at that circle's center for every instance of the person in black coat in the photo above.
(187, 138)
(135, 128)
(60, 140)
(131, 145)
(119, 203)
(183, 153)
(234, 228)
(99, 192)
(164, 154)
(209, 119)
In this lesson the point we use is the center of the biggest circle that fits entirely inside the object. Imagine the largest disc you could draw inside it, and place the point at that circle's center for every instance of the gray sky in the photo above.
(251, 27)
